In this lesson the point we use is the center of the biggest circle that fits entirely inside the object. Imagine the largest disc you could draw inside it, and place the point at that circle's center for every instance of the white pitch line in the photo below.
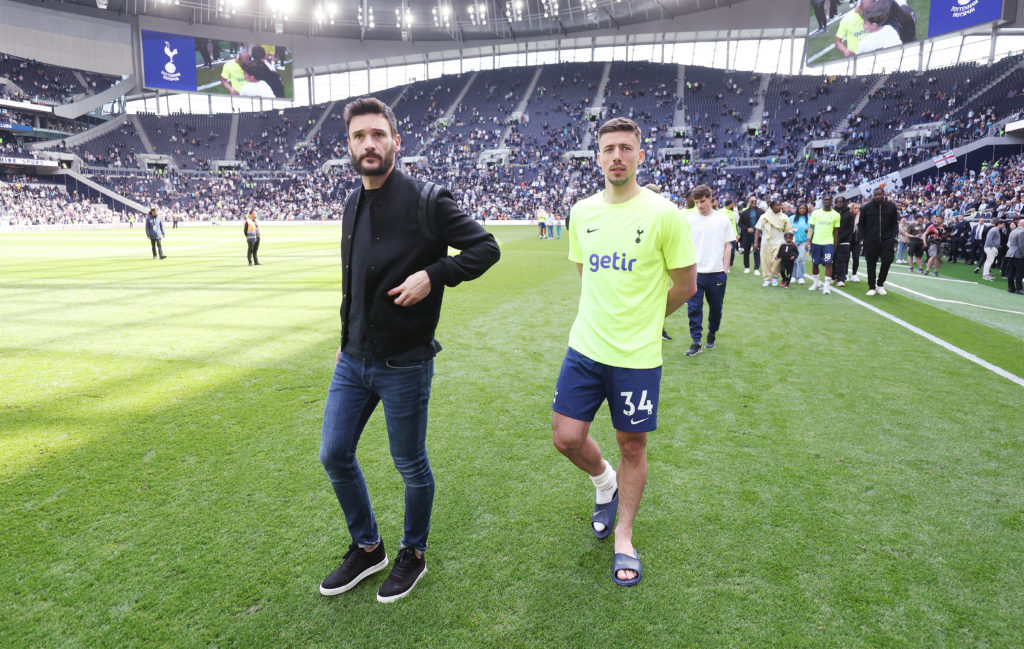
(941, 279)
(935, 339)
(939, 299)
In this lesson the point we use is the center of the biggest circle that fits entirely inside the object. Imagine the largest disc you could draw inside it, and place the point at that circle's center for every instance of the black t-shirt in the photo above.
(358, 343)
(788, 251)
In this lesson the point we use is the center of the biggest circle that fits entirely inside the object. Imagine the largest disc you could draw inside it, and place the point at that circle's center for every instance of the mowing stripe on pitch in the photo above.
(931, 279)
(939, 299)
(935, 339)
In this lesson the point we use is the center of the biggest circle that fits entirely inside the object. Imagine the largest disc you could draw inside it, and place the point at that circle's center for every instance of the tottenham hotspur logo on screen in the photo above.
(170, 71)
(964, 8)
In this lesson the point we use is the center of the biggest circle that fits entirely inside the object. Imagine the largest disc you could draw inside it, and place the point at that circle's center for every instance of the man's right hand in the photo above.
(337, 357)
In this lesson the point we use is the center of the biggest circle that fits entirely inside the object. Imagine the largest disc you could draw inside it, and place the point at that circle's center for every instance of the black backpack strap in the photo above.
(428, 209)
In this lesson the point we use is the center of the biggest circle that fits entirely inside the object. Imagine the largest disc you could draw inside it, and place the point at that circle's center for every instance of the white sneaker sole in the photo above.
(392, 598)
(329, 592)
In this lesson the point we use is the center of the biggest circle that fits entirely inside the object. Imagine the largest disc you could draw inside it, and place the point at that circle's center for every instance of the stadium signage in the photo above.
(209, 65)
(946, 16)
(160, 70)
(27, 162)
(25, 105)
(887, 183)
(14, 127)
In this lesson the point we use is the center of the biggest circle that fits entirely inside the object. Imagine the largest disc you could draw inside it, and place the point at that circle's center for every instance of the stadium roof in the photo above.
(406, 20)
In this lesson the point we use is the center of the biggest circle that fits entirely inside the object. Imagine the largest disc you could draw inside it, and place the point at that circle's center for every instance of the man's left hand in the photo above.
(413, 289)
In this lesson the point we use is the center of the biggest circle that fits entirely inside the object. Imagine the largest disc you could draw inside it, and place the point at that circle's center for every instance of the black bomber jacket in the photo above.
(399, 247)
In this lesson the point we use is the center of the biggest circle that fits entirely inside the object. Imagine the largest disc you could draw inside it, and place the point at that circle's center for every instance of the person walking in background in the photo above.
(542, 223)
(730, 213)
(748, 220)
(915, 243)
(934, 235)
(788, 253)
(992, 242)
(801, 223)
(858, 243)
(713, 235)
(844, 241)
(1015, 255)
(395, 267)
(824, 235)
(252, 237)
(879, 227)
(978, 234)
(768, 236)
(155, 232)
(901, 242)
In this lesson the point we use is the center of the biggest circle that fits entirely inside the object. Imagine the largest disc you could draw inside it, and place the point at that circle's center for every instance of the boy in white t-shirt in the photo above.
(713, 235)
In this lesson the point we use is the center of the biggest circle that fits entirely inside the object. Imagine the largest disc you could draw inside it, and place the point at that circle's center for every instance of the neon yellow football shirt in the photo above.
(626, 251)
(824, 222)
(851, 29)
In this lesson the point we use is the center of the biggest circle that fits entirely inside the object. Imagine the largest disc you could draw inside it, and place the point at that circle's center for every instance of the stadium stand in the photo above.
(51, 83)
(192, 140)
(453, 118)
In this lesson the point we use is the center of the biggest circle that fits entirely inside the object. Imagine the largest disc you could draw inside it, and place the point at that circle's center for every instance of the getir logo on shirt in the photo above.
(615, 261)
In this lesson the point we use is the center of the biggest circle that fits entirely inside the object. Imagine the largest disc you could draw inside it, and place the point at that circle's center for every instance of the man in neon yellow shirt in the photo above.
(232, 75)
(628, 244)
(851, 29)
(730, 212)
(824, 236)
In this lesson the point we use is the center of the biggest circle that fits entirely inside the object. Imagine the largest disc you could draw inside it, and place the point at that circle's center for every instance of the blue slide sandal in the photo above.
(605, 514)
(626, 562)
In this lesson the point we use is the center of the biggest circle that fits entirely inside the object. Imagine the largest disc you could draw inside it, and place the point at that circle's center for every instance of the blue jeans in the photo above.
(712, 287)
(357, 386)
(800, 265)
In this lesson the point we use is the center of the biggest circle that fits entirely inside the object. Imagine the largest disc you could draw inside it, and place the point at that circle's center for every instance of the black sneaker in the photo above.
(710, 344)
(407, 571)
(665, 336)
(694, 349)
(356, 566)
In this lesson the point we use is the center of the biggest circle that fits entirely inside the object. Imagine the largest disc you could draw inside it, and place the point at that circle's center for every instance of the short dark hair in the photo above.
(258, 53)
(370, 106)
(701, 191)
(617, 124)
(654, 188)
(876, 11)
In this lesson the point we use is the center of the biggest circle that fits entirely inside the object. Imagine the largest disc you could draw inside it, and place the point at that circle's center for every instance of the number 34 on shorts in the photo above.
(644, 404)
(635, 411)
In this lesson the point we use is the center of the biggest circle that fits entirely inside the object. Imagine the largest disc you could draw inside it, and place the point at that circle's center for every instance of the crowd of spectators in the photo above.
(733, 157)
(25, 200)
(49, 83)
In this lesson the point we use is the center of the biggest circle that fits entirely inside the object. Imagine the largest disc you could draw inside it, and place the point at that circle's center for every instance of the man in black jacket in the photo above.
(394, 252)
(879, 226)
(841, 265)
(748, 219)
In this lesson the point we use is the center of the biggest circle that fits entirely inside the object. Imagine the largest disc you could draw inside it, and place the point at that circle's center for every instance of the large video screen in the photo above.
(841, 29)
(188, 64)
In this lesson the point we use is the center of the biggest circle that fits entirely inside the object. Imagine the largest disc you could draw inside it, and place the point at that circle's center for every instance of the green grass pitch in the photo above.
(825, 478)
